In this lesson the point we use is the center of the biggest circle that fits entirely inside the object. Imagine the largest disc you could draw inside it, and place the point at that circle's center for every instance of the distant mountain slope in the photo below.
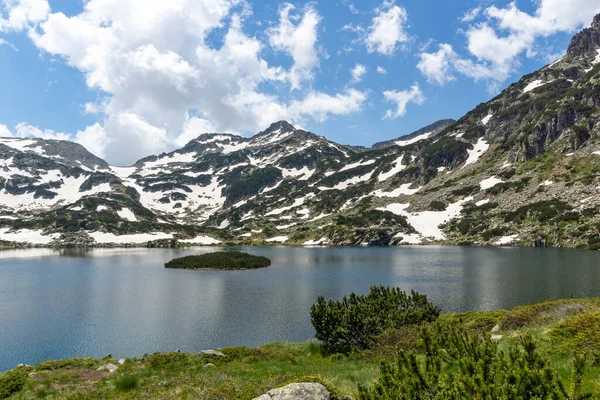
(523, 168)
(423, 133)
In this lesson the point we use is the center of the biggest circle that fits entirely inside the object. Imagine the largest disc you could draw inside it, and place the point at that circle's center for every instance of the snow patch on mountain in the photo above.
(127, 214)
(477, 151)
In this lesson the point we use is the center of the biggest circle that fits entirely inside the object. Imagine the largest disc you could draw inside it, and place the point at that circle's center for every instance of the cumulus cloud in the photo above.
(358, 72)
(381, 70)
(402, 98)
(387, 30)
(24, 130)
(495, 44)
(437, 67)
(93, 138)
(163, 83)
(4, 131)
(298, 40)
(17, 15)
(321, 105)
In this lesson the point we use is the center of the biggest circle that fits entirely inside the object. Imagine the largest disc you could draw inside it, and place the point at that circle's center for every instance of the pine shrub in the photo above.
(453, 365)
(352, 323)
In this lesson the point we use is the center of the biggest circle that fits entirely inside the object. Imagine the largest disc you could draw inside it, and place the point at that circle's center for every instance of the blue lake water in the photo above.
(59, 304)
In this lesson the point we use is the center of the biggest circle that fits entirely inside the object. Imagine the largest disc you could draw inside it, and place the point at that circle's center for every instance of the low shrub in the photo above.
(352, 323)
(453, 365)
(127, 383)
(12, 382)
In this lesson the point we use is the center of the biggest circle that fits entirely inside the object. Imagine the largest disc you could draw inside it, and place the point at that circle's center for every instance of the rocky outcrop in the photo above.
(586, 42)
(297, 391)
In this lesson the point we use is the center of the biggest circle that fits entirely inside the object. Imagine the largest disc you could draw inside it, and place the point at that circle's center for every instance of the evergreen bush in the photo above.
(352, 323)
(451, 364)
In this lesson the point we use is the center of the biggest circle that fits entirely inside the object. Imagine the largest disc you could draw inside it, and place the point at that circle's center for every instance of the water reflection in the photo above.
(72, 302)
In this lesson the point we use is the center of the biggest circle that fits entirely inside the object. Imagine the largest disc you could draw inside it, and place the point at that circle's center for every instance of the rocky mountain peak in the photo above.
(596, 22)
(587, 42)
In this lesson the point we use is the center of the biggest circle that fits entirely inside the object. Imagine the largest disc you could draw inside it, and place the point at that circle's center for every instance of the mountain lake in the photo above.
(56, 304)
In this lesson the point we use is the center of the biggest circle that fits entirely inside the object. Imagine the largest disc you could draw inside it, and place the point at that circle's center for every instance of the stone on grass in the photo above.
(297, 391)
(212, 353)
(108, 367)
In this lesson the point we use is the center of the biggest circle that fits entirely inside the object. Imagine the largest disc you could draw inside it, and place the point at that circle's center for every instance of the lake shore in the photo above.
(559, 328)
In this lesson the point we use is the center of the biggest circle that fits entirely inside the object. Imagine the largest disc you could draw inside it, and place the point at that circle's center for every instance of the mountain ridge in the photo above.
(522, 168)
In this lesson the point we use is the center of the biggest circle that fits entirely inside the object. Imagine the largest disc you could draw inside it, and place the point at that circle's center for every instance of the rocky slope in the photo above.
(522, 169)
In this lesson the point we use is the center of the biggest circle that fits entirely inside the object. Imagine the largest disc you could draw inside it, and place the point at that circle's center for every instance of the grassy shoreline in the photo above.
(560, 328)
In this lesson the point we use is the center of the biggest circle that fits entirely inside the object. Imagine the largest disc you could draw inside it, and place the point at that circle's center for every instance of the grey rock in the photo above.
(122, 361)
(496, 337)
(214, 353)
(108, 367)
(297, 391)
(496, 328)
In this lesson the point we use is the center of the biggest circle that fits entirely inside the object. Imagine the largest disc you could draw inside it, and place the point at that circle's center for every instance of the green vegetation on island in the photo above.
(549, 350)
(222, 260)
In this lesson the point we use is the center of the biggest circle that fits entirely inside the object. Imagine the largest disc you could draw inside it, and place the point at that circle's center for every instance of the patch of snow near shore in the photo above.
(277, 239)
(486, 119)
(533, 85)
(427, 222)
(482, 202)
(475, 154)
(507, 239)
(27, 236)
(101, 208)
(413, 140)
(224, 224)
(403, 189)
(490, 182)
(547, 183)
(409, 238)
(127, 214)
(320, 242)
(202, 240)
(102, 237)
(396, 167)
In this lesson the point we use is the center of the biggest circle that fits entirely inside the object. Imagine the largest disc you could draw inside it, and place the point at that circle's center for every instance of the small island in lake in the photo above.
(222, 260)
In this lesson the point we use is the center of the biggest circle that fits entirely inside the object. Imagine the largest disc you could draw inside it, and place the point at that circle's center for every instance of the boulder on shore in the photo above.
(297, 391)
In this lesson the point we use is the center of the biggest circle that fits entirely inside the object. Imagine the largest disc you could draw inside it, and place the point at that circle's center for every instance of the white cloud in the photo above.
(496, 44)
(352, 9)
(4, 131)
(298, 40)
(24, 130)
(9, 44)
(21, 14)
(320, 105)
(402, 98)
(358, 72)
(154, 67)
(93, 138)
(471, 14)
(387, 29)
(381, 70)
(509, 32)
(436, 67)
(193, 128)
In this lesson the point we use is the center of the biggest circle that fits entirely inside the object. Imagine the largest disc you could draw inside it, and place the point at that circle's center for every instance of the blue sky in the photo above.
(128, 78)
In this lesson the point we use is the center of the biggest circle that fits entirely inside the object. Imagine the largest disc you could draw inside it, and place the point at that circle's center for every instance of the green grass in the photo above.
(560, 328)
